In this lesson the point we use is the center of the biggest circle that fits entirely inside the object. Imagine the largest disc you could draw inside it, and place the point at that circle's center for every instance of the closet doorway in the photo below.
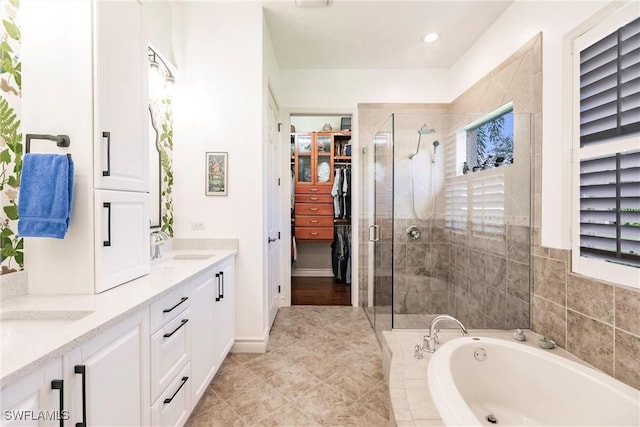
(321, 262)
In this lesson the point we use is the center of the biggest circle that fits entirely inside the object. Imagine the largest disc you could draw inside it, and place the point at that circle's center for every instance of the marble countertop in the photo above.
(58, 323)
(411, 402)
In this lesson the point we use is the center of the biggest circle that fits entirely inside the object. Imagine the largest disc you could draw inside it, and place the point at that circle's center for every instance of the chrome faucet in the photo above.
(158, 237)
(431, 340)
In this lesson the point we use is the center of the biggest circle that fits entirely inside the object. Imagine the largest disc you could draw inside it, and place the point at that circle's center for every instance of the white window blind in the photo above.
(610, 86)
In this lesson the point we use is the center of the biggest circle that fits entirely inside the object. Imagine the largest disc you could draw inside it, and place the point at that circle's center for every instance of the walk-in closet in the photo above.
(321, 210)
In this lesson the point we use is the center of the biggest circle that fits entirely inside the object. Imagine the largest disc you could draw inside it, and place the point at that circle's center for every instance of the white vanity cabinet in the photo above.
(213, 328)
(121, 154)
(107, 378)
(35, 399)
(98, 98)
(172, 322)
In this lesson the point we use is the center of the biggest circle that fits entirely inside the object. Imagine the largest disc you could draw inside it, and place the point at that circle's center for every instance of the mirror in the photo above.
(155, 178)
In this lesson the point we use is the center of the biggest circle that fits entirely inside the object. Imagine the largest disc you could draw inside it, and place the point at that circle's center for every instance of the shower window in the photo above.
(489, 141)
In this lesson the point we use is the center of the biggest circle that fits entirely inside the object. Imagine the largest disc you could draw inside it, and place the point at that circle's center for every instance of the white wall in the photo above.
(308, 89)
(519, 23)
(219, 107)
(160, 23)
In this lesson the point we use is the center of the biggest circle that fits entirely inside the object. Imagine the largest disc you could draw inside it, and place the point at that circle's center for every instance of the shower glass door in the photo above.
(381, 229)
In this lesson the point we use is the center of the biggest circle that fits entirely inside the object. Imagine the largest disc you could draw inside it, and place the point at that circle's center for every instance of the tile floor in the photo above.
(323, 367)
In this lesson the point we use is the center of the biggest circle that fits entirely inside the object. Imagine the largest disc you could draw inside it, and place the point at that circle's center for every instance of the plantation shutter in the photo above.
(610, 208)
(610, 86)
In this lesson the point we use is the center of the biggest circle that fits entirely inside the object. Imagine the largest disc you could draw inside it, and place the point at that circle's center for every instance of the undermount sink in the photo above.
(191, 256)
(16, 326)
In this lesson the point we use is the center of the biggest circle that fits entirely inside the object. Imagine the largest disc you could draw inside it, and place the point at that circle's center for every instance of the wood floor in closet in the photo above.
(319, 291)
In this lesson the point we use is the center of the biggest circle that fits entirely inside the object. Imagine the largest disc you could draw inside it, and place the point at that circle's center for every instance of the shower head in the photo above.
(426, 130)
(435, 145)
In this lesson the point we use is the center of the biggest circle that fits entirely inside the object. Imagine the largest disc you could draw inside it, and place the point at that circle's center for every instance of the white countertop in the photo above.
(52, 336)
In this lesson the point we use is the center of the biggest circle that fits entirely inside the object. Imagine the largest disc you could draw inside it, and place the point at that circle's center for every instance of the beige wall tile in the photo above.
(595, 299)
(550, 279)
(550, 319)
(590, 340)
(627, 363)
(628, 310)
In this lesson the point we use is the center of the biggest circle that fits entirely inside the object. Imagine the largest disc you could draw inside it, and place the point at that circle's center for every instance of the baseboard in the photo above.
(251, 345)
(311, 272)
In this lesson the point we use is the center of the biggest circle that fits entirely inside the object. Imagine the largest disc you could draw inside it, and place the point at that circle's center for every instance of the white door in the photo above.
(203, 329)
(225, 309)
(273, 200)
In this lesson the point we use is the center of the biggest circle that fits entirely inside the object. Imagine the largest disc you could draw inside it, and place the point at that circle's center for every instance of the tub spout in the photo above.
(431, 340)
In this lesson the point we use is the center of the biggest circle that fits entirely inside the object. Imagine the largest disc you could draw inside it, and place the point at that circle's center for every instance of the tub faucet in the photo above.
(158, 237)
(430, 340)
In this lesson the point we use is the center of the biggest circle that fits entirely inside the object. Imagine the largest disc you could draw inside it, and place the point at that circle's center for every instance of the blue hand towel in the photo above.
(46, 193)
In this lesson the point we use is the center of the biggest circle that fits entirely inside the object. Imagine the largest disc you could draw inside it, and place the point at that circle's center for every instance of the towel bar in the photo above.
(60, 140)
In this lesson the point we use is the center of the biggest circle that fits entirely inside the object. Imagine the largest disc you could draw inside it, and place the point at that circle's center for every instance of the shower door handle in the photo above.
(375, 237)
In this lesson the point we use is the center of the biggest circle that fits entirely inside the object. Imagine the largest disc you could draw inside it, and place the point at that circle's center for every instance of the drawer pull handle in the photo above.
(59, 385)
(314, 198)
(169, 399)
(314, 209)
(82, 370)
(169, 310)
(314, 234)
(313, 190)
(107, 205)
(314, 221)
(108, 136)
(182, 323)
(222, 281)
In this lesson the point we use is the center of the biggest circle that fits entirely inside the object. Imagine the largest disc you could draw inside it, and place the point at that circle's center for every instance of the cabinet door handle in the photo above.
(222, 281)
(169, 399)
(218, 284)
(169, 310)
(108, 136)
(314, 209)
(182, 323)
(82, 370)
(107, 242)
(59, 385)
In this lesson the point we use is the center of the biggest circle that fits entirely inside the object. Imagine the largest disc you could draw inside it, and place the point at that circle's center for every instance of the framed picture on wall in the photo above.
(216, 174)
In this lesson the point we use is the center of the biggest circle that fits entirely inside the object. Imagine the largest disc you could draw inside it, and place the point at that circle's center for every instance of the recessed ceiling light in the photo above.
(431, 37)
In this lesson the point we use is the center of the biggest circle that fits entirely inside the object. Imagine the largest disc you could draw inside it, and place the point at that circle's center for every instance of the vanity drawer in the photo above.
(169, 352)
(313, 221)
(169, 306)
(314, 209)
(314, 233)
(313, 189)
(174, 405)
(314, 198)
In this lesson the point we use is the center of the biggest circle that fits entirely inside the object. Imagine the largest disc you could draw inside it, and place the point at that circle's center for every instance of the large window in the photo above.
(489, 141)
(606, 230)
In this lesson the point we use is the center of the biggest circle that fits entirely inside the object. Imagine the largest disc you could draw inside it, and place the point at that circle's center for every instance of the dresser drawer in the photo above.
(311, 233)
(313, 221)
(314, 198)
(169, 352)
(174, 405)
(169, 306)
(313, 189)
(314, 209)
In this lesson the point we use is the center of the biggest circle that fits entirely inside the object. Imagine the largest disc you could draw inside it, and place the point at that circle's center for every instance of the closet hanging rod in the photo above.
(60, 140)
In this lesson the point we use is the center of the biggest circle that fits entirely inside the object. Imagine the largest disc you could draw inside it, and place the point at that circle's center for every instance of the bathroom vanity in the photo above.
(140, 354)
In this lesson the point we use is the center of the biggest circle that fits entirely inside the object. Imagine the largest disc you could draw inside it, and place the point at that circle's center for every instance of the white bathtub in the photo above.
(524, 386)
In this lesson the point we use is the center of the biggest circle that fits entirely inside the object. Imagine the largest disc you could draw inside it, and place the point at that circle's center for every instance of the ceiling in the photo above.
(377, 34)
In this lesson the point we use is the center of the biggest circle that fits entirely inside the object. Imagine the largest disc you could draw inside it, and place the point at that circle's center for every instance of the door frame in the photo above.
(285, 207)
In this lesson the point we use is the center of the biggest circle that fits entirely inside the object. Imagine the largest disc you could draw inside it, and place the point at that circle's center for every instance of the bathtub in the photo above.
(473, 380)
